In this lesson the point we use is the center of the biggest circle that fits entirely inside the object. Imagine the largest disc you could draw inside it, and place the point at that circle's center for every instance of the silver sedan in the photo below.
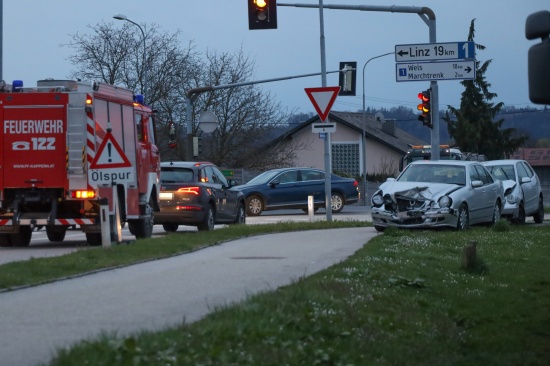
(430, 194)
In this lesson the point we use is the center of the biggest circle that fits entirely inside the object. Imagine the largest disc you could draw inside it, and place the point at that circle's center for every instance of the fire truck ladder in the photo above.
(76, 146)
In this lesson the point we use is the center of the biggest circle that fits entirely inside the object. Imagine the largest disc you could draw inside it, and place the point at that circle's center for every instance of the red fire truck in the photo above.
(68, 149)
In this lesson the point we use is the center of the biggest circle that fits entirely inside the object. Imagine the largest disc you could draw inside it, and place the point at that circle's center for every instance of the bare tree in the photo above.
(249, 117)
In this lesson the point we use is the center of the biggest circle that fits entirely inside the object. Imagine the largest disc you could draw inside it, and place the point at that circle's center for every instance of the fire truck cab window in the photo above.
(150, 129)
(139, 128)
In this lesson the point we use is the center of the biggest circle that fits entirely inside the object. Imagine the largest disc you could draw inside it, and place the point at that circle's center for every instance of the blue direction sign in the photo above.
(434, 51)
(442, 70)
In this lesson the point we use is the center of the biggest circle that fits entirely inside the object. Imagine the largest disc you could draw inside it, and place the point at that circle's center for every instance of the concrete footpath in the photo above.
(36, 321)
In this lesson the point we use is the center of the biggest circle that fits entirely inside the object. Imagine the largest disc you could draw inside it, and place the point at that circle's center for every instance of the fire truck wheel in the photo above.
(5, 240)
(23, 238)
(56, 233)
(94, 239)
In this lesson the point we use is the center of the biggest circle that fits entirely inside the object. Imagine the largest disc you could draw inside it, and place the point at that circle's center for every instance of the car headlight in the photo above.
(377, 199)
(511, 198)
(445, 202)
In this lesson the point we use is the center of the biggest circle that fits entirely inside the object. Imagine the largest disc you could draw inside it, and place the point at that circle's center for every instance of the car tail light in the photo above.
(355, 184)
(188, 208)
(191, 190)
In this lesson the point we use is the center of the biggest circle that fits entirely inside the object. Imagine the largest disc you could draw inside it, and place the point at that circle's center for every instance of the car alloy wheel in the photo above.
(254, 206)
(209, 219)
(463, 218)
(336, 202)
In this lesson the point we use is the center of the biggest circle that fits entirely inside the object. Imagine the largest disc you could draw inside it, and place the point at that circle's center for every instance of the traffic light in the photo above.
(425, 107)
(262, 14)
(347, 79)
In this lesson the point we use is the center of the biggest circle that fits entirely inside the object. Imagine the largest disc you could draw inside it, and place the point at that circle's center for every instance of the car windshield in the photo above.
(502, 172)
(263, 178)
(434, 173)
(176, 175)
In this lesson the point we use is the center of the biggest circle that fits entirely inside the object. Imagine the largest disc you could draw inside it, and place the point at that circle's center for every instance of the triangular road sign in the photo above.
(323, 99)
(110, 155)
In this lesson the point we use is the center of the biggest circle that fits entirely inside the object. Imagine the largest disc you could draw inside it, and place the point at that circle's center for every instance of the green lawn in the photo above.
(403, 299)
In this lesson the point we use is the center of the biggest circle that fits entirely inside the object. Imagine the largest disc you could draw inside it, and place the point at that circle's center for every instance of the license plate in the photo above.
(407, 214)
(166, 196)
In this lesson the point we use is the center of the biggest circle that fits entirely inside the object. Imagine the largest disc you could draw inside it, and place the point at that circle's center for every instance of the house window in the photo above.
(345, 158)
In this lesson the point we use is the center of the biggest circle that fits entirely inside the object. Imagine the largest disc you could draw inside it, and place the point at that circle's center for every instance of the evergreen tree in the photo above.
(473, 126)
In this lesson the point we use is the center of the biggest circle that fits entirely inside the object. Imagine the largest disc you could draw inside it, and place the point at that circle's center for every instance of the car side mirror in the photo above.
(477, 183)
(232, 182)
(275, 182)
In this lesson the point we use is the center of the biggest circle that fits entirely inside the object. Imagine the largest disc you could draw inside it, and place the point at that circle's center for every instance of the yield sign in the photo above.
(323, 99)
(110, 155)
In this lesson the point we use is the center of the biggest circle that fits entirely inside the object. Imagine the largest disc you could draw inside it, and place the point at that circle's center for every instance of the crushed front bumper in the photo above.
(440, 217)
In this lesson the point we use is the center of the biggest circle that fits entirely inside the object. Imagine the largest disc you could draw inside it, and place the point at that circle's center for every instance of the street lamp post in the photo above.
(365, 128)
(144, 87)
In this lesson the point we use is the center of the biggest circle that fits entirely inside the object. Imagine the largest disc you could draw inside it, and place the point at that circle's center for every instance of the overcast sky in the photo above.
(33, 31)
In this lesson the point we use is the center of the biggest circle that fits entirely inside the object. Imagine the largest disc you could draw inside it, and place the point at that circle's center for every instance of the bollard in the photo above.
(105, 223)
(310, 208)
(116, 219)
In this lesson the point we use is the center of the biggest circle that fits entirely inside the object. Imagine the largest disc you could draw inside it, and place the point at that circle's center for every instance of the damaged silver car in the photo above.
(429, 194)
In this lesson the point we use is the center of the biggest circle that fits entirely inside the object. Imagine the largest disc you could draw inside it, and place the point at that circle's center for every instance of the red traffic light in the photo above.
(423, 95)
(425, 107)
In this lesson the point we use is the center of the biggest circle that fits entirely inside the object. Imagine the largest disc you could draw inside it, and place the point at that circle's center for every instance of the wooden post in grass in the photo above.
(469, 255)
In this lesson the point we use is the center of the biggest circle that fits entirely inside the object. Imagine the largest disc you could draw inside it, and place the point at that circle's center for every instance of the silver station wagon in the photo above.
(429, 194)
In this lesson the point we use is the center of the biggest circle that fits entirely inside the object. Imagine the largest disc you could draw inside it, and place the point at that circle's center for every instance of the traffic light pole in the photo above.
(327, 141)
(193, 94)
(428, 16)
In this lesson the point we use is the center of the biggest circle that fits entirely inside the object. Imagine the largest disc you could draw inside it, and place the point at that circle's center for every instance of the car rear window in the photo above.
(174, 175)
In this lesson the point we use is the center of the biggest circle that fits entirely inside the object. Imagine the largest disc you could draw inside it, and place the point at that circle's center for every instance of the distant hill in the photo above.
(532, 122)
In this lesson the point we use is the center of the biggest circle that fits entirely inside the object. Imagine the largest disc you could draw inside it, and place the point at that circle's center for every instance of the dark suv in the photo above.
(197, 194)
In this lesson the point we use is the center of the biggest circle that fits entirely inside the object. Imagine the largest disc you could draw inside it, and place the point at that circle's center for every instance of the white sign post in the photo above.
(323, 127)
(322, 100)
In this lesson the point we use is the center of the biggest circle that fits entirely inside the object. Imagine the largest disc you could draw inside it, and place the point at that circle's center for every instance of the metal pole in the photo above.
(428, 16)
(364, 138)
(328, 168)
(145, 78)
(192, 94)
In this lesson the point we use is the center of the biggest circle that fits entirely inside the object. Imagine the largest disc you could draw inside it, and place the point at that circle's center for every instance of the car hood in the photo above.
(418, 191)
(244, 187)
(508, 185)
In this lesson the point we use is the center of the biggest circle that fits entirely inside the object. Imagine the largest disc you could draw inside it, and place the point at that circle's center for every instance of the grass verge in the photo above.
(404, 299)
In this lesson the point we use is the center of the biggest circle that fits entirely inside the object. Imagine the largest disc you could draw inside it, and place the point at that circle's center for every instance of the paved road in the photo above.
(36, 321)
(76, 240)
